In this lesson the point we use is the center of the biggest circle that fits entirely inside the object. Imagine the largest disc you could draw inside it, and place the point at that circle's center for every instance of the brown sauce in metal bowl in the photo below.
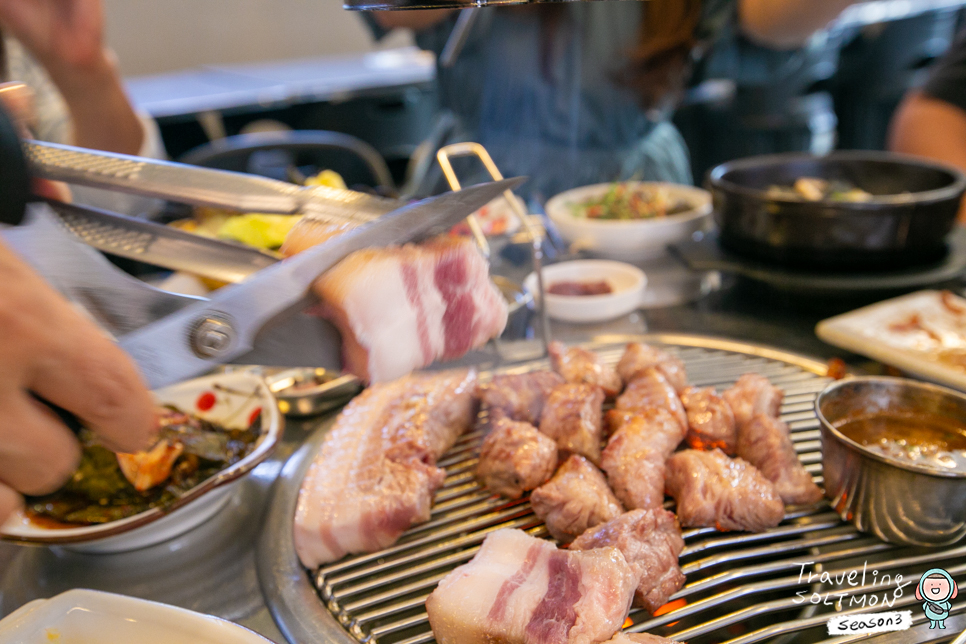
(922, 438)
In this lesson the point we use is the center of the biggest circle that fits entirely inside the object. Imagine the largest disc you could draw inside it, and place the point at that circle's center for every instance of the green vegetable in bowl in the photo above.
(624, 201)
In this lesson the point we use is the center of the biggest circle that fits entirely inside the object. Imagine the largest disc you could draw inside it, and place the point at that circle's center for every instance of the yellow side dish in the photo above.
(258, 230)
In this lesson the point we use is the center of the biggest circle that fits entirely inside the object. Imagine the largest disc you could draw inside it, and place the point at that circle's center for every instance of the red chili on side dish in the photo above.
(205, 401)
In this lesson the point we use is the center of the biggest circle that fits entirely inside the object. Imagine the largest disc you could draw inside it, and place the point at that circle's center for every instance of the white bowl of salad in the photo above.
(629, 220)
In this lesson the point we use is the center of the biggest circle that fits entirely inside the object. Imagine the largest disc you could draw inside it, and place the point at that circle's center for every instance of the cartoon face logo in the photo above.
(936, 589)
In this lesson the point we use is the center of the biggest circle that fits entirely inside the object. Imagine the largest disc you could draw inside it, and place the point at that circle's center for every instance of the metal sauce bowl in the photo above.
(898, 501)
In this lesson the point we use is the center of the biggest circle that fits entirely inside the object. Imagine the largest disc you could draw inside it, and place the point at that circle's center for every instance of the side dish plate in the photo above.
(238, 397)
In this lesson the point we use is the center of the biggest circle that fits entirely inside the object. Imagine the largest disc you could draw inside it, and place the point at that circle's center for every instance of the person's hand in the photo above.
(63, 35)
(47, 348)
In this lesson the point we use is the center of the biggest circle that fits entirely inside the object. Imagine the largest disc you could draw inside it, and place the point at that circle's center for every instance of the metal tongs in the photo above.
(240, 320)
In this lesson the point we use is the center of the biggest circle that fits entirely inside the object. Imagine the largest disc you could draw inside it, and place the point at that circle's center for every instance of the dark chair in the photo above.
(277, 154)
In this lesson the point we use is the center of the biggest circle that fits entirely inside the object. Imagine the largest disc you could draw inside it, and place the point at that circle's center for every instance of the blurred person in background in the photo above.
(581, 93)
(56, 48)
(931, 121)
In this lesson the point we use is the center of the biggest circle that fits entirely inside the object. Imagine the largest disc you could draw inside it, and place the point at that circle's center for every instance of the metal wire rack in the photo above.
(781, 585)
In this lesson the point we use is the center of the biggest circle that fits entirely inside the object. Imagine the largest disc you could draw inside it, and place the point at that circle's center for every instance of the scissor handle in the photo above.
(14, 179)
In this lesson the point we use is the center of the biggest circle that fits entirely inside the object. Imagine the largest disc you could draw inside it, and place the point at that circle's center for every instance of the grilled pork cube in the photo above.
(751, 395)
(639, 638)
(639, 356)
(650, 388)
(519, 396)
(572, 418)
(401, 308)
(515, 457)
(615, 418)
(650, 541)
(576, 498)
(714, 490)
(522, 590)
(635, 456)
(580, 365)
(766, 443)
(711, 423)
(375, 474)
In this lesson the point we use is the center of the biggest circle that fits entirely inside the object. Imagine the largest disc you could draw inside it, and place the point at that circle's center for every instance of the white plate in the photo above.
(629, 240)
(238, 395)
(628, 284)
(913, 332)
(93, 616)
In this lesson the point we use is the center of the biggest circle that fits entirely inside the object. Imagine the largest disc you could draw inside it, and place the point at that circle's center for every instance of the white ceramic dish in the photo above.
(238, 396)
(629, 240)
(922, 333)
(627, 282)
(93, 616)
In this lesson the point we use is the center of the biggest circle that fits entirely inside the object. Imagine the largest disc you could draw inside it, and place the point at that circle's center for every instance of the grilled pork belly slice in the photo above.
(582, 366)
(649, 388)
(650, 541)
(635, 456)
(711, 423)
(576, 498)
(522, 590)
(751, 395)
(766, 443)
(519, 396)
(639, 356)
(639, 638)
(572, 418)
(401, 308)
(375, 474)
(515, 457)
(714, 490)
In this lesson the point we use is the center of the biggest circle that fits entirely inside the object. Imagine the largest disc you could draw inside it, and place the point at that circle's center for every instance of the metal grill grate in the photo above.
(740, 587)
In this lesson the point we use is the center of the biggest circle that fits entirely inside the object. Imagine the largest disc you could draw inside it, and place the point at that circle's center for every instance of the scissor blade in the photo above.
(225, 327)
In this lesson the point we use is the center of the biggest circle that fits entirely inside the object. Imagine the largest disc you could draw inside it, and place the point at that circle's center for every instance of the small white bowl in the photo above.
(625, 239)
(237, 397)
(93, 616)
(627, 283)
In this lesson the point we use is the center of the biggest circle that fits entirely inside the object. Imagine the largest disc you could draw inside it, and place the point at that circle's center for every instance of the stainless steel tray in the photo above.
(740, 588)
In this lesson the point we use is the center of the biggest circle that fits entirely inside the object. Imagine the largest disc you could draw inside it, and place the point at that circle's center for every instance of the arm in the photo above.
(786, 24)
(66, 37)
(415, 19)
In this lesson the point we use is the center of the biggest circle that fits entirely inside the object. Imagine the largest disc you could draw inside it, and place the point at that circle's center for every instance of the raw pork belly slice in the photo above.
(576, 498)
(650, 541)
(572, 417)
(635, 457)
(650, 388)
(309, 231)
(766, 443)
(711, 423)
(375, 473)
(751, 395)
(515, 457)
(639, 638)
(522, 590)
(714, 490)
(638, 357)
(519, 396)
(402, 308)
(580, 365)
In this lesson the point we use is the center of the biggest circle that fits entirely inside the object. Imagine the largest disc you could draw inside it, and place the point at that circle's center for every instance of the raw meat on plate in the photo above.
(766, 443)
(650, 388)
(515, 457)
(579, 365)
(639, 356)
(522, 590)
(401, 308)
(711, 423)
(375, 474)
(751, 395)
(519, 396)
(576, 498)
(728, 493)
(572, 418)
(650, 541)
(635, 457)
